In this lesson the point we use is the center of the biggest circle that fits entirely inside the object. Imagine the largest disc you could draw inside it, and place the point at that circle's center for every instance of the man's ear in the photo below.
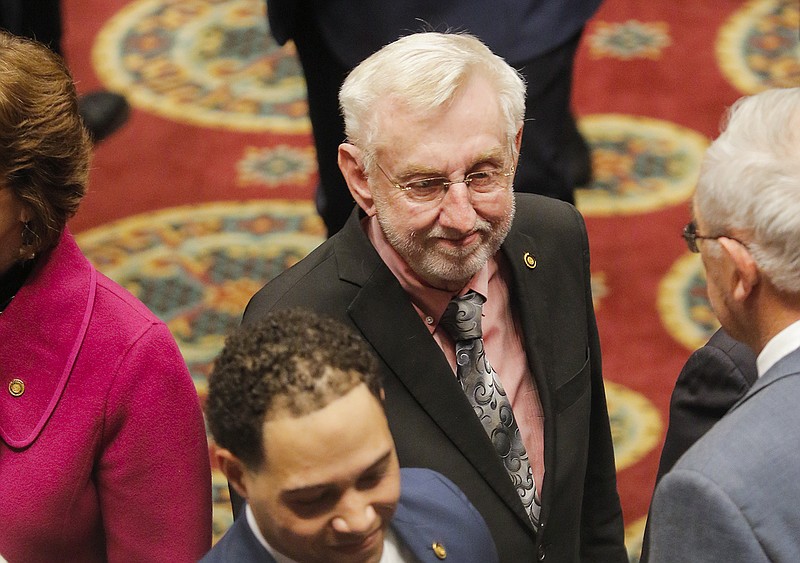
(518, 137)
(233, 468)
(745, 271)
(350, 163)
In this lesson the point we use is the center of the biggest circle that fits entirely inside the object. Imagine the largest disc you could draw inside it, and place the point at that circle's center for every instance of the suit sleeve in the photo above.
(602, 531)
(712, 381)
(693, 519)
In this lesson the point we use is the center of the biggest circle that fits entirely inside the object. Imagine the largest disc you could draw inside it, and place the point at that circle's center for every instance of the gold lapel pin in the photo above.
(16, 387)
(530, 260)
(438, 550)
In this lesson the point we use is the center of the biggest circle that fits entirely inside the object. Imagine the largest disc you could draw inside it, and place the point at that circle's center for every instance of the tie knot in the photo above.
(462, 318)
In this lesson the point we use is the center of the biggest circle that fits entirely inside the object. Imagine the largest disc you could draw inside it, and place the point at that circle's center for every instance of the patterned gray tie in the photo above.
(462, 321)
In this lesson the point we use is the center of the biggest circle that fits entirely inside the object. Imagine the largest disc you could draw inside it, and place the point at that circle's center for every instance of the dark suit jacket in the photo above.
(431, 420)
(431, 510)
(517, 30)
(713, 379)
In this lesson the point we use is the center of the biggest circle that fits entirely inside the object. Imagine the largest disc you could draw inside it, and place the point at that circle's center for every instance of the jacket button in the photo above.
(542, 554)
(16, 387)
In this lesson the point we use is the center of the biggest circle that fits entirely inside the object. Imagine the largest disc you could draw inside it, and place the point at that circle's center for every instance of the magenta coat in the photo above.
(104, 456)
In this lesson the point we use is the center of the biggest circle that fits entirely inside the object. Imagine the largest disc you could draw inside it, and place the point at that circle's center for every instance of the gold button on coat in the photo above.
(16, 387)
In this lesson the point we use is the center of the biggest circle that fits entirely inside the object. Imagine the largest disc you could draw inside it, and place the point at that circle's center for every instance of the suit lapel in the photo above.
(529, 285)
(417, 361)
(529, 291)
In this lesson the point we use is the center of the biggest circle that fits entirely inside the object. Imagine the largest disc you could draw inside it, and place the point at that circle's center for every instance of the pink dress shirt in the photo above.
(501, 337)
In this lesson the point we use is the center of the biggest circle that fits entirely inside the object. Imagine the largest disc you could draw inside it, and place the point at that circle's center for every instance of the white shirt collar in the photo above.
(779, 346)
(394, 550)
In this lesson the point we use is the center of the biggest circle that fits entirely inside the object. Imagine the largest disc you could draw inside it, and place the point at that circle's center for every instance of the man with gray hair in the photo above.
(733, 496)
(477, 300)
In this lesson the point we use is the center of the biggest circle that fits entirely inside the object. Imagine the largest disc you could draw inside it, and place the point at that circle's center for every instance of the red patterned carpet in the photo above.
(206, 193)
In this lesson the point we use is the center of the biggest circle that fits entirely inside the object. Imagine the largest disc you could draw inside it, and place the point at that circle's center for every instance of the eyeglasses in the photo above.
(428, 190)
(691, 237)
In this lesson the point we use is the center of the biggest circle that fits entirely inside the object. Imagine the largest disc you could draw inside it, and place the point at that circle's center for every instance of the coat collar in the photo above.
(787, 366)
(42, 331)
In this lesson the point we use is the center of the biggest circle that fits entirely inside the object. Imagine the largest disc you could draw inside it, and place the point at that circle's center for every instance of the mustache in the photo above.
(481, 226)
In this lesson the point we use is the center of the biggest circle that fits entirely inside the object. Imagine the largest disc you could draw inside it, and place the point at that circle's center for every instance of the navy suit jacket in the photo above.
(734, 496)
(432, 422)
(517, 30)
(431, 510)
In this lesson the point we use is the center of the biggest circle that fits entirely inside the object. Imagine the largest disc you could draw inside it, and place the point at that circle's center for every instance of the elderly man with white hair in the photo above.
(734, 495)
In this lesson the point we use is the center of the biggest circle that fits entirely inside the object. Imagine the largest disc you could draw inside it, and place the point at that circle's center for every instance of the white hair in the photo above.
(423, 72)
(750, 182)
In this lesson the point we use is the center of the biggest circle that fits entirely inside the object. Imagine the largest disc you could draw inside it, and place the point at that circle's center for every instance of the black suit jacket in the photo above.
(713, 379)
(431, 420)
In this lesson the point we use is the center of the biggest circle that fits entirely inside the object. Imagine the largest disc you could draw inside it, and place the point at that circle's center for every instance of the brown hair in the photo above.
(44, 147)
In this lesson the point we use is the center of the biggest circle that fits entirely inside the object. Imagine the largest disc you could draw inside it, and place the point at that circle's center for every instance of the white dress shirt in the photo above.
(394, 550)
(779, 346)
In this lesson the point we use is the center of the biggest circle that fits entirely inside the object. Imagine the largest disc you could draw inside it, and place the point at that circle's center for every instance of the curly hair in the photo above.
(290, 362)
(44, 147)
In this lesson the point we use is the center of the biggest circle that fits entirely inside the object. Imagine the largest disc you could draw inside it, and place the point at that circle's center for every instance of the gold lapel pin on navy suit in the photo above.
(530, 260)
(439, 550)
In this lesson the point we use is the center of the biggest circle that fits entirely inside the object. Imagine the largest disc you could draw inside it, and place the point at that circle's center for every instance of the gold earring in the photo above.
(29, 240)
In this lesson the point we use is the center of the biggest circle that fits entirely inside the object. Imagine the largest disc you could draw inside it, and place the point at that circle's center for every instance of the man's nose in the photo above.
(457, 212)
(356, 516)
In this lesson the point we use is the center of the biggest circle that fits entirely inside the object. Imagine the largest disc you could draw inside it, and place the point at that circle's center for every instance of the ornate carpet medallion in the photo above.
(759, 46)
(636, 424)
(196, 267)
(205, 62)
(683, 303)
(276, 165)
(629, 40)
(640, 164)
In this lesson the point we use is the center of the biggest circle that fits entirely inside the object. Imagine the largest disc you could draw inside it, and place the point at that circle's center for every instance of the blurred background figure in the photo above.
(102, 112)
(538, 38)
(103, 452)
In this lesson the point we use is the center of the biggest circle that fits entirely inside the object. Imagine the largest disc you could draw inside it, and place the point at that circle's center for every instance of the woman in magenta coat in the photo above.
(103, 453)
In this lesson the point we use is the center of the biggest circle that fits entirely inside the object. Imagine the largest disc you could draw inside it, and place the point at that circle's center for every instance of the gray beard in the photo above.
(453, 273)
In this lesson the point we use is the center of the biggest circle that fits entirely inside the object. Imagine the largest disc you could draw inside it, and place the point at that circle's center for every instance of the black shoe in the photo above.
(103, 113)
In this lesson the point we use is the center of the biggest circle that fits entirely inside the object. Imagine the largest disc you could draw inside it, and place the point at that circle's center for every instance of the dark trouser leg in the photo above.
(41, 20)
(554, 158)
(324, 76)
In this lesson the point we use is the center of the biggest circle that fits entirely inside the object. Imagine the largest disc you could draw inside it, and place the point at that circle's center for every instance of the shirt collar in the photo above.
(429, 301)
(393, 549)
(251, 521)
(779, 346)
